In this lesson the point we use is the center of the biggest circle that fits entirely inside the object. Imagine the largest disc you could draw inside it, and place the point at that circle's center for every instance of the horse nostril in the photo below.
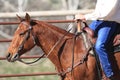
(8, 56)
(15, 57)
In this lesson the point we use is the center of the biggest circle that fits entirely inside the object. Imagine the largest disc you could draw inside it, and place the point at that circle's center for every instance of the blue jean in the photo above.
(104, 31)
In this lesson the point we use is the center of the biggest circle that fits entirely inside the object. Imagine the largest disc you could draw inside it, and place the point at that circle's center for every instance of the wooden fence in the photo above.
(45, 13)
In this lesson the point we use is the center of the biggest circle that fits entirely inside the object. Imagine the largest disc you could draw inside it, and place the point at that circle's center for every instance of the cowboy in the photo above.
(106, 17)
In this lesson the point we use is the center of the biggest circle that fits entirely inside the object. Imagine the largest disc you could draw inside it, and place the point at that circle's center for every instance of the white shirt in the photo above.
(106, 10)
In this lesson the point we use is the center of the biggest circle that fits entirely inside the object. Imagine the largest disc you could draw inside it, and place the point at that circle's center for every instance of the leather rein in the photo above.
(29, 33)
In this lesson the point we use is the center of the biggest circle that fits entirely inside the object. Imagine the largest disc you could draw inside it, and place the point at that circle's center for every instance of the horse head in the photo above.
(23, 39)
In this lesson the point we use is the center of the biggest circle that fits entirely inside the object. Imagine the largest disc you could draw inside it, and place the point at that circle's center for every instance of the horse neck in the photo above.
(48, 35)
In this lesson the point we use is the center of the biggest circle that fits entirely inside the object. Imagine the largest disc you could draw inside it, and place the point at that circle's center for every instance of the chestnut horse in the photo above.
(66, 52)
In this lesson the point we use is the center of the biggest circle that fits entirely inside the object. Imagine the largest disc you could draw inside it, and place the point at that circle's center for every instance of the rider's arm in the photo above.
(103, 10)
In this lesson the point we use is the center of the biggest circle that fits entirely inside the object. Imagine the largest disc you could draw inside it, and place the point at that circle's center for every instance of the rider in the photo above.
(105, 18)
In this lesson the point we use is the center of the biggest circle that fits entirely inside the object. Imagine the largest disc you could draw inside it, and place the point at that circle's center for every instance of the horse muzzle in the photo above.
(12, 58)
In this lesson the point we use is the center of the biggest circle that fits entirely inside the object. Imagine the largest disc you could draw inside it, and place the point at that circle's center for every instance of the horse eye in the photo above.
(22, 33)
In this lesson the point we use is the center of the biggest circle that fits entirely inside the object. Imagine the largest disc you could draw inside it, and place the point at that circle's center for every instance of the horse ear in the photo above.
(19, 18)
(27, 17)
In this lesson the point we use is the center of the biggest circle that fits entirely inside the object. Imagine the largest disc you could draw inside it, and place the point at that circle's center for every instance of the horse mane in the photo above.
(52, 27)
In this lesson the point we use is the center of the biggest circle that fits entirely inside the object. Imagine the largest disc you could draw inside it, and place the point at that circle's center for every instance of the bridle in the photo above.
(27, 34)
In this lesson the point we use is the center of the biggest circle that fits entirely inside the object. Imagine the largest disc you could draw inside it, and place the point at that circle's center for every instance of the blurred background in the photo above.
(40, 10)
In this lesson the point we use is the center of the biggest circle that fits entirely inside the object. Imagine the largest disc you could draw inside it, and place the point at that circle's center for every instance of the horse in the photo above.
(67, 52)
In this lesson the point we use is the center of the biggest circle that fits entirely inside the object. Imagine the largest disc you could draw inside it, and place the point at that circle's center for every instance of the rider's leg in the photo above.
(104, 30)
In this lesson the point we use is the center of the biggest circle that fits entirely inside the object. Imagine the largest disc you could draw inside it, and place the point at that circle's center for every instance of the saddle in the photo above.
(116, 40)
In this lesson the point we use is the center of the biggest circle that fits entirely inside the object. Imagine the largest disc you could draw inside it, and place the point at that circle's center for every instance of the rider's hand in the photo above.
(80, 16)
